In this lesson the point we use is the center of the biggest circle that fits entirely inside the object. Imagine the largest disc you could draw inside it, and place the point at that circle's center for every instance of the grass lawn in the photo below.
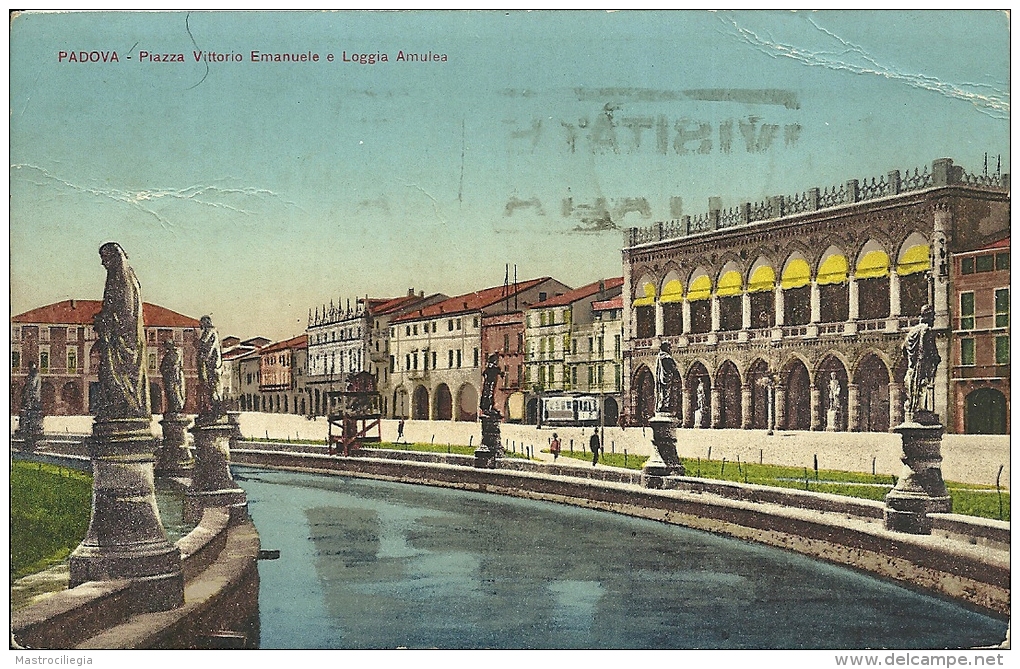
(968, 499)
(49, 514)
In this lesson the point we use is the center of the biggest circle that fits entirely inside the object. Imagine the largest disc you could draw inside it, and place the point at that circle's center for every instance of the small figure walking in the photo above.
(595, 446)
(400, 430)
(554, 446)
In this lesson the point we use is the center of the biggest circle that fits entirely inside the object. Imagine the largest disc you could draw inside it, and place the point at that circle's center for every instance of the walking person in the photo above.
(554, 446)
(400, 430)
(595, 446)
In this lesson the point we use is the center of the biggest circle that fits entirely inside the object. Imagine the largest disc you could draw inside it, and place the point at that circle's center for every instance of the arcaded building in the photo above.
(810, 294)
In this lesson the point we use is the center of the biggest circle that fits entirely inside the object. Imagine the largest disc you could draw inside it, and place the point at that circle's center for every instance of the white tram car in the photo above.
(567, 410)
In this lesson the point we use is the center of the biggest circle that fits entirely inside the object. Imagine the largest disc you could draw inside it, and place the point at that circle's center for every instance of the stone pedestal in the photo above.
(664, 461)
(30, 428)
(234, 420)
(492, 445)
(830, 421)
(211, 482)
(699, 418)
(126, 538)
(920, 489)
(173, 457)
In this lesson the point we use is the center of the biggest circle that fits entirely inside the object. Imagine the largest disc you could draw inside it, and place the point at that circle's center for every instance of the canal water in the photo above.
(373, 564)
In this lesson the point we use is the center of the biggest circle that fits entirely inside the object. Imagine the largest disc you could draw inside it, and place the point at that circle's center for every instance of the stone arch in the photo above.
(871, 272)
(834, 398)
(645, 295)
(727, 413)
(913, 267)
(985, 412)
(49, 398)
(442, 403)
(729, 291)
(757, 378)
(71, 395)
(467, 403)
(872, 378)
(420, 408)
(795, 385)
(832, 275)
(761, 281)
(644, 395)
(699, 292)
(671, 298)
(611, 411)
(698, 406)
(795, 279)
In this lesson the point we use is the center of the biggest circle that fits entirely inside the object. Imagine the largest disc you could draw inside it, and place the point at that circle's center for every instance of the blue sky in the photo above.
(255, 191)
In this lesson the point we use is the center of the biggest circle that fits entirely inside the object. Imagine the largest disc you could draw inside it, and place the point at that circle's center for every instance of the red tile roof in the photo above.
(580, 293)
(301, 341)
(385, 306)
(471, 301)
(615, 303)
(83, 312)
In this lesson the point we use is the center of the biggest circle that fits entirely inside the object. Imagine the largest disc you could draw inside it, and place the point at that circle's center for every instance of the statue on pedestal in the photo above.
(490, 376)
(210, 372)
(666, 374)
(123, 381)
(172, 369)
(922, 361)
(31, 394)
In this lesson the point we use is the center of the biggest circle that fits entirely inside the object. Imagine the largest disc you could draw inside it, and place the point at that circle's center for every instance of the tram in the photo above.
(570, 410)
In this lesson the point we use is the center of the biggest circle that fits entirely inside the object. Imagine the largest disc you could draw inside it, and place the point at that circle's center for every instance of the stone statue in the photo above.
(172, 369)
(701, 395)
(31, 394)
(123, 381)
(834, 392)
(491, 374)
(922, 360)
(210, 371)
(666, 374)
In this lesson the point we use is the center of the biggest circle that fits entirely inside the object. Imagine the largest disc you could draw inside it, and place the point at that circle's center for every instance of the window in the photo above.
(476, 358)
(967, 266)
(967, 311)
(449, 358)
(573, 375)
(474, 322)
(1002, 308)
(415, 361)
(434, 324)
(542, 297)
(1001, 261)
(415, 328)
(967, 351)
(449, 325)
(984, 263)
(434, 364)
(407, 361)
(1002, 350)
(506, 343)
(44, 361)
(458, 357)
(458, 323)
(72, 360)
(573, 349)
(616, 346)
(15, 359)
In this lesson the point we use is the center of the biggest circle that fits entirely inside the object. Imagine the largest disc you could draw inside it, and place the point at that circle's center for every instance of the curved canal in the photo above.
(373, 564)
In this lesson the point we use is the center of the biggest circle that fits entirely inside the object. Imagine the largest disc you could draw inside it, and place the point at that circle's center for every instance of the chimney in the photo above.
(410, 292)
(73, 306)
(421, 293)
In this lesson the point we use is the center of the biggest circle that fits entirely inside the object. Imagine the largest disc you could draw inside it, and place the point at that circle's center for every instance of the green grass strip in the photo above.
(50, 509)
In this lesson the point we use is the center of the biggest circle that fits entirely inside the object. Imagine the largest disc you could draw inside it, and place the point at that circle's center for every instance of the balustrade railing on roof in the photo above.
(942, 173)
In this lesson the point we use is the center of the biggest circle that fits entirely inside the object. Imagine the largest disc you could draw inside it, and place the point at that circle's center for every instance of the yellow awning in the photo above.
(730, 283)
(833, 270)
(763, 278)
(649, 298)
(673, 291)
(701, 289)
(874, 265)
(916, 259)
(796, 274)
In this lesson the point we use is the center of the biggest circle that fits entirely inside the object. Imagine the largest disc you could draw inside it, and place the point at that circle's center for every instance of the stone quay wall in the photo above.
(966, 559)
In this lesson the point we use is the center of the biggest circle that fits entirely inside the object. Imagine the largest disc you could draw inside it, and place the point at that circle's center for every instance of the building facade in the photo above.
(567, 352)
(60, 339)
(282, 377)
(980, 347)
(503, 334)
(436, 351)
(344, 342)
(810, 295)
